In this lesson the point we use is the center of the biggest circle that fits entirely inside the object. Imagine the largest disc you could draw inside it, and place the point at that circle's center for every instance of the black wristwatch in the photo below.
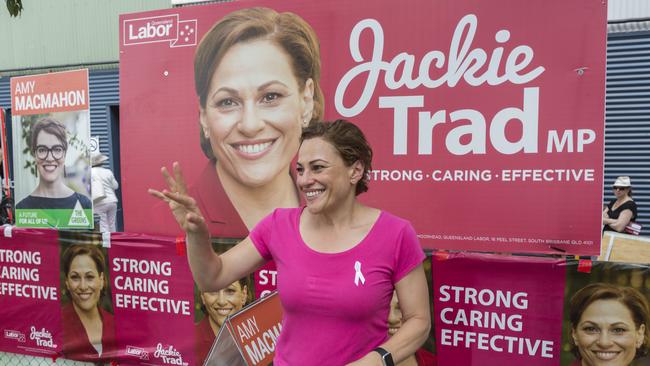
(386, 357)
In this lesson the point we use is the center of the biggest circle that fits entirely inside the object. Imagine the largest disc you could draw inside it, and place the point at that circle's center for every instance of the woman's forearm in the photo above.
(409, 338)
(614, 224)
(621, 222)
(204, 262)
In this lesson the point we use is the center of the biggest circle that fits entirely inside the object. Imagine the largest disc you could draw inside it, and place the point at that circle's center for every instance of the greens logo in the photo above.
(78, 217)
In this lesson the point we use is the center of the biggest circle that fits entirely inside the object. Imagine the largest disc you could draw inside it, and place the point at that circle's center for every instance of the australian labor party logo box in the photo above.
(51, 124)
(477, 114)
(166, 28)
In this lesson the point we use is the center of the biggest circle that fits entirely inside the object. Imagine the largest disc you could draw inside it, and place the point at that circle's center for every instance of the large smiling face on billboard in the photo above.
(483, 136)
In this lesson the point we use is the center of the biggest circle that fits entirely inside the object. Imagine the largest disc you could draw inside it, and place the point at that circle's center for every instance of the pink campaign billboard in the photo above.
(486, 118)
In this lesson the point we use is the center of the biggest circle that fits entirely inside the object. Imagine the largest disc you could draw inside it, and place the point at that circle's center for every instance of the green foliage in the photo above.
(15, 7)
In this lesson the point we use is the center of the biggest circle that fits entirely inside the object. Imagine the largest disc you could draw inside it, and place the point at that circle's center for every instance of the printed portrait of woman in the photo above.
(48, 145)
(88, 329)
(609, 325)
(216, 307)
(256, 74)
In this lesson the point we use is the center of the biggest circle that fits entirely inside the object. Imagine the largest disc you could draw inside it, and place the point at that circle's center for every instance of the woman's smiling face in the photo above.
(255, 111)
(50, 157)
(84, 282)
(606, 334)
(225, 302)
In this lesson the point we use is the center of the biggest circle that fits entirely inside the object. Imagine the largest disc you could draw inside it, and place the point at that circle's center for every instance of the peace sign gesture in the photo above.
(183, 207)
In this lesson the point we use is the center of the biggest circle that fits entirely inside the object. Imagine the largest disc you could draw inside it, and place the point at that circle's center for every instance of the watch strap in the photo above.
(386, 357)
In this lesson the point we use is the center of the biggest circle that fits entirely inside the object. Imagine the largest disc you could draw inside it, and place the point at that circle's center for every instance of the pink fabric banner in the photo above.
(30, 315)
(265, 280)
(497, 310)
(153, 300)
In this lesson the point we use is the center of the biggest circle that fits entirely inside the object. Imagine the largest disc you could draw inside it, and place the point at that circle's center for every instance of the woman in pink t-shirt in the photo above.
(338, 260)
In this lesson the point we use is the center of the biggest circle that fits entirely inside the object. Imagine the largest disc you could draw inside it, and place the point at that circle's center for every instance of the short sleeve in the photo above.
(261, 236)
(631, 205)
(409, 253)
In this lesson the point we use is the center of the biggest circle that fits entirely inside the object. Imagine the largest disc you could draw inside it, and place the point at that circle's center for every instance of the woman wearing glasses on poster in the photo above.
(338, 261)
(609, 325)
(48, 145)
(256, 73)
(622, 210)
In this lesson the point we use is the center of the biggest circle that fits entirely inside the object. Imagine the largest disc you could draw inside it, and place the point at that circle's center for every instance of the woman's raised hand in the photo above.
(183, 207)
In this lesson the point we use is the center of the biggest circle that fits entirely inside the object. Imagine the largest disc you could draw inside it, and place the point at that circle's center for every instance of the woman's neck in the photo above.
(86, 315)
(346, 214)
(623, 199)
(254, 203)
(52, 190)
(215, 327)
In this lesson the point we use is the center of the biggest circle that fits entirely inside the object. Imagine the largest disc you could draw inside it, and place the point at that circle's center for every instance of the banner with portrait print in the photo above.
(51, 124)
(488, 309)
(87, 312)
(465, 103)
(493, 309)
(102, 298)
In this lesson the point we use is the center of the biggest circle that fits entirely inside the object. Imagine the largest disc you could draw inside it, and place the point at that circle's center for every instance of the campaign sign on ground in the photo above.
(497, 310)
(30, 317)
(254, 330)
(153, 300)
(465, 103)
(51, 124)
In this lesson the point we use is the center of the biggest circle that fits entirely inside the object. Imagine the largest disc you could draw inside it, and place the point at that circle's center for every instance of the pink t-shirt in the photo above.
(335, 310)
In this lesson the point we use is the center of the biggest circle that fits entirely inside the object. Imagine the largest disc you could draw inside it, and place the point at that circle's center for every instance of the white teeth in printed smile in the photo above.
(254, 148)
(313, 193)
(223, 311)
(606, 355)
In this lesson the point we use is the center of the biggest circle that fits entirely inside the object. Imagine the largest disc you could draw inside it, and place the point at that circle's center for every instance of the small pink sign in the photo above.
(265, 280)
(498, 310)
(153, 300)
